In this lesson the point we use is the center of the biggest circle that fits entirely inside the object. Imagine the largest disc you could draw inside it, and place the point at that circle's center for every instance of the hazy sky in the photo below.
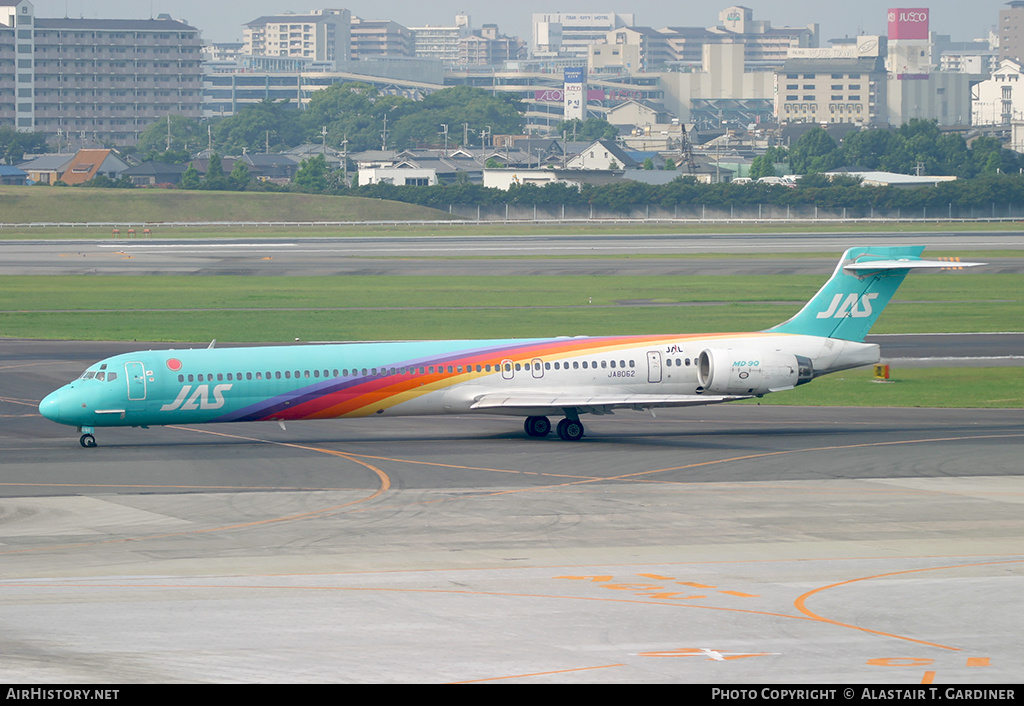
(963, 19)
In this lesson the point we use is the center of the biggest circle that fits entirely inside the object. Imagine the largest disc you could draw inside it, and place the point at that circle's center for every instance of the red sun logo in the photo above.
(173, 364)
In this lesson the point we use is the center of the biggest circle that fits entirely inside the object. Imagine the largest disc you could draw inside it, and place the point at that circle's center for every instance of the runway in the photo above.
(726, 545)
(504, 255)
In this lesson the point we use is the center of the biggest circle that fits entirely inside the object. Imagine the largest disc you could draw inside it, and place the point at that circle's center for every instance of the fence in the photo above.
(462, 214)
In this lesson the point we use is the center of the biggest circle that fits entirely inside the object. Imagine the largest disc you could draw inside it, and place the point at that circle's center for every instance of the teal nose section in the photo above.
(50, 407)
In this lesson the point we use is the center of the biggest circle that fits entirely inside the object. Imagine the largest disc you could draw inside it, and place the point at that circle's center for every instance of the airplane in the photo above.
(531, 378)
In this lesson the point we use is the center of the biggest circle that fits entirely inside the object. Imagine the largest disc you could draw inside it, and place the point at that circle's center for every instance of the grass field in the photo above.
(21, 205)
(264, 309)
(910, 387)
(37, 204)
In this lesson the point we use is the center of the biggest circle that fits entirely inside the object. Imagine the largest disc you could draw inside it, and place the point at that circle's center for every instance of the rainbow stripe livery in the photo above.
(531, 378)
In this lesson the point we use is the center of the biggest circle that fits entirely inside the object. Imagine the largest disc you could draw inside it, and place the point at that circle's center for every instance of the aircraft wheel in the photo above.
(88, 441)
(537, 426)
(570, 430)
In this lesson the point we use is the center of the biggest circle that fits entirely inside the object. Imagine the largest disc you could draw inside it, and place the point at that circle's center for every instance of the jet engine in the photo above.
(732, 371)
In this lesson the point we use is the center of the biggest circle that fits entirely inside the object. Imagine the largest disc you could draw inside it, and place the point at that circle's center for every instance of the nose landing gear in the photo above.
(88, 441)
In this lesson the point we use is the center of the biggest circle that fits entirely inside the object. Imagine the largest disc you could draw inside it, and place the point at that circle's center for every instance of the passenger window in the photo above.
(190, 377)
(584, 365)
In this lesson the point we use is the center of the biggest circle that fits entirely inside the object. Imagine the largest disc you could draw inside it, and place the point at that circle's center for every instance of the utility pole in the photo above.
(344, 159)
(384, 135)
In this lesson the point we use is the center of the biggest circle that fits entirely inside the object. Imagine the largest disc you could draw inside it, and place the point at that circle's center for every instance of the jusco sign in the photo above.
(908, 23)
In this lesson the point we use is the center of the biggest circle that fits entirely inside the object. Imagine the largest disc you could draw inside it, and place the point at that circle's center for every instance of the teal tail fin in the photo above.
(863, 283)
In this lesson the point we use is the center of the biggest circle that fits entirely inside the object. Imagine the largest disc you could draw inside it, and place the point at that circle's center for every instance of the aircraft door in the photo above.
(506, 369)
(538, 368)
(653, 366)
(136, 374)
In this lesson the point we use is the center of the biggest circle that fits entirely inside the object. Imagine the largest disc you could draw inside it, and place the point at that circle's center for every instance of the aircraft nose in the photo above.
(50, 406)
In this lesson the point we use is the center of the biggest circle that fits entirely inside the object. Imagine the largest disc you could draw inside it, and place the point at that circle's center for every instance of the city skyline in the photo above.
(220, 23)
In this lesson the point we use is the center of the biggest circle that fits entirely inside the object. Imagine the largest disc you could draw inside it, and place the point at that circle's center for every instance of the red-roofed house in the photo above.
(89, 163)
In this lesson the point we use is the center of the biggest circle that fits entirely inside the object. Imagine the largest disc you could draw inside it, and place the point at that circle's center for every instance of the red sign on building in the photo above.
(908, 23)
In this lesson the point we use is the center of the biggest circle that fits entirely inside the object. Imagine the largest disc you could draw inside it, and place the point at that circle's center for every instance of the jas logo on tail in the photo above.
(852, 305)
(199, 399)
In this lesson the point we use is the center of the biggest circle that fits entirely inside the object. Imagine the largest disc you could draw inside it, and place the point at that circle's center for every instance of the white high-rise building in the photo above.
(570, 33)
(320, 35)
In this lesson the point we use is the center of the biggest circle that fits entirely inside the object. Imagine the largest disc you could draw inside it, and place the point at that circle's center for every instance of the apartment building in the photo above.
(320, 35)
(95, 81)
(375, 38)
(1011, 31)
(762, 43)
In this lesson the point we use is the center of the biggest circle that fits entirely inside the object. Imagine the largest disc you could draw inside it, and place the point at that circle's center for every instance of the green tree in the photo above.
(815, 151)
(456, 107)
(186, 135)
(215, 180)
(190, 178)
(353, 114)
(312, 175)
(256, 125)
(14, 144)
(587, 130)
(239, 177)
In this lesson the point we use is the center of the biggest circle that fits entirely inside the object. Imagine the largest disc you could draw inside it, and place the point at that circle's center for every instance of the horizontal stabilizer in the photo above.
(875, 265)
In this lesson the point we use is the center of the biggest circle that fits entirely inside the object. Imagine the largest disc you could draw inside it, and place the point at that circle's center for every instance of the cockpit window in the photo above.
(88, 374)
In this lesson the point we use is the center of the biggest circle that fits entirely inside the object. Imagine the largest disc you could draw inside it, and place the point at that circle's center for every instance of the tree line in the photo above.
(916, 146)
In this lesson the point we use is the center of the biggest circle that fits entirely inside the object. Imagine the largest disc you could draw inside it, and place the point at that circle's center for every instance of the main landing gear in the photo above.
(568, 429)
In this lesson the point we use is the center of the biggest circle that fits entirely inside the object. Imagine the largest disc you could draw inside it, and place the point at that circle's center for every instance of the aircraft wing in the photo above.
(594, 404)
